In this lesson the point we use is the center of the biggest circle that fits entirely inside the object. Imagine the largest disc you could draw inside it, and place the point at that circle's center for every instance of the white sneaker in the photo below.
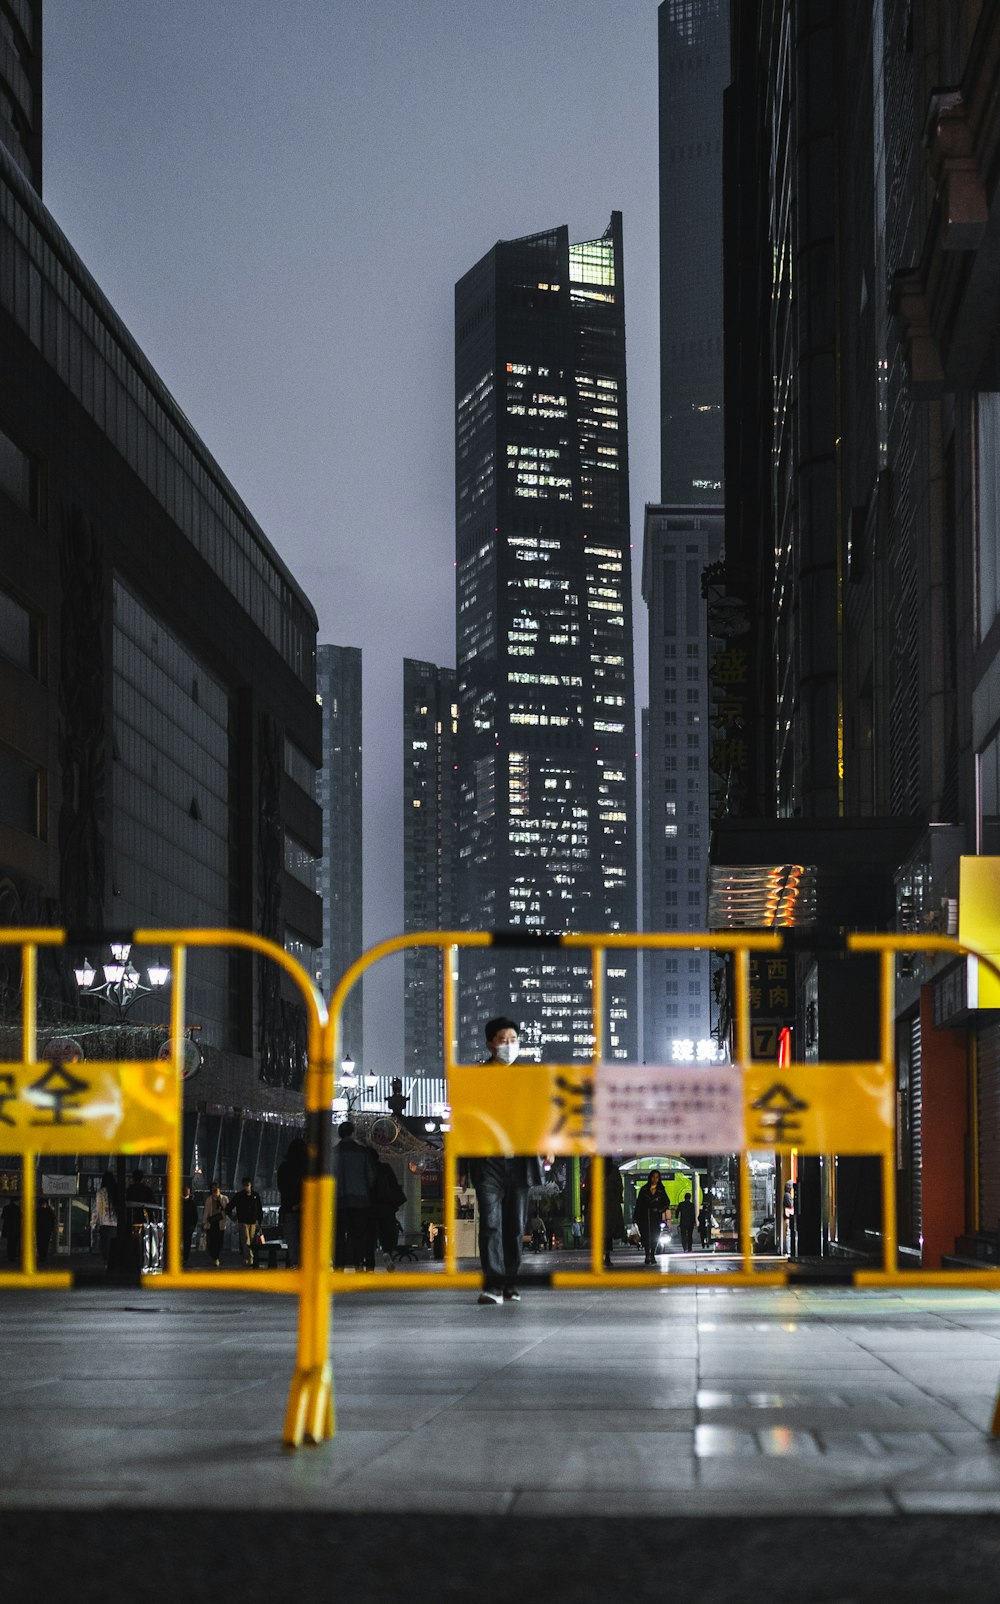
(489, 1296)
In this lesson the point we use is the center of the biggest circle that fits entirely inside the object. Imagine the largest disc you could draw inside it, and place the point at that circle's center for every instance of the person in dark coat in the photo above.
(189, 1223)
(291, 1175)
(387, 1197)
(354, 1166)
(705, 1222)
(502, 1187)
(10, 1225)
(614, 1211)
(686, 1219)
(45, 1224)
(651, 1205)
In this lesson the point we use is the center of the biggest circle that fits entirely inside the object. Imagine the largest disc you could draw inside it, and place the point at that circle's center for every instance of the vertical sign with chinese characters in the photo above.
(772, 1001)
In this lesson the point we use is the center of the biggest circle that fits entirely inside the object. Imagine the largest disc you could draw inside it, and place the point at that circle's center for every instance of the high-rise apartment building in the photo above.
(694, 72)
(338, 792)
(430, 862)
(544, 634)
(679, 543)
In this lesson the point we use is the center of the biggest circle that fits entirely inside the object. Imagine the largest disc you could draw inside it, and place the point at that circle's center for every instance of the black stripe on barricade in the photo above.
(526, 938)
(319, 1142)
(537, 1278)
(87, 1280)
(806, 1276)
(88, 936)
(813, 938)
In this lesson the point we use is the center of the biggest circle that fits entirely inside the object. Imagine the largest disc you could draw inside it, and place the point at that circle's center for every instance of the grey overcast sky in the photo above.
(278, 200)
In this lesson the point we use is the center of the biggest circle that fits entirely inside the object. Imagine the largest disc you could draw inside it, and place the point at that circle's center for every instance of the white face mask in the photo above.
(507, 1051)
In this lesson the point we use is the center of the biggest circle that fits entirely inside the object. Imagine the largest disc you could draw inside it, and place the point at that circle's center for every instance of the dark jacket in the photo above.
(291, 1174)
(354, 1167)
(387, 1194)
(246, 1207)
(686, 1214)
(650, 1206)
(614, 1191)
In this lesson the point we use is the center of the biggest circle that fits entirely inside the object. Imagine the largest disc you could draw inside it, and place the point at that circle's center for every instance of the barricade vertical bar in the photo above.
(29, 1044)
(597, 962)
(178, 965)
(741, 992)
(887, 1046)
(449, 1176)
(309, 1416)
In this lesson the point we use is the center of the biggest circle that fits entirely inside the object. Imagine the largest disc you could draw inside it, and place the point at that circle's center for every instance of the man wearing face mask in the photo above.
(502, 1186)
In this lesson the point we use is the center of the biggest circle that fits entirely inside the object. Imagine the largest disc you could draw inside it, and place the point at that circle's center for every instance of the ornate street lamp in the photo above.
(122, 985)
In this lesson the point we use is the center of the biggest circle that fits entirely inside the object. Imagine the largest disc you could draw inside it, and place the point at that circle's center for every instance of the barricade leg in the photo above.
(309, 1416)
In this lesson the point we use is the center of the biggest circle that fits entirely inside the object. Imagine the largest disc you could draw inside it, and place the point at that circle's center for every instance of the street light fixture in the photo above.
(121, 986)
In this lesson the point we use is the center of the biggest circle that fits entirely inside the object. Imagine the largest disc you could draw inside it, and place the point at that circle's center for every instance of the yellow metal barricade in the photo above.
(137, 1106)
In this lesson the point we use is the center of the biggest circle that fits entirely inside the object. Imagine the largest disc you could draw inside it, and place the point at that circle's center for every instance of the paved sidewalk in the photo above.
(675, 1401)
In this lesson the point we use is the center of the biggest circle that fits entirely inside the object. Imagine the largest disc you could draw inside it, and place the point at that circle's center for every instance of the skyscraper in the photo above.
(338, 791)
(679, 543)
(684, 532)
(546, 747)
(694, 72)
(430, 860)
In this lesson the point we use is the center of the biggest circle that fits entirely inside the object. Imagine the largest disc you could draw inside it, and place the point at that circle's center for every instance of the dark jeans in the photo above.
(355, 1239)
(687, 1238)
(503, 1211)
(649, 1234)
(290, 1221)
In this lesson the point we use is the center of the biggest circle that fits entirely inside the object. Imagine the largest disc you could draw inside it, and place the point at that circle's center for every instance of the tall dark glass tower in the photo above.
(338, 791)
(694, 71)
(546, 747)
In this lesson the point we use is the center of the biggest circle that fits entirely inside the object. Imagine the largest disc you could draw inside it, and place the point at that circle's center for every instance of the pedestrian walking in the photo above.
(354, 1166)
(247, 1210)
(387, 1197)
(189, 1222)
(614, 1210)
(291, 1175)
(705, 1225)
(685, 1219)
(502, 1187)
(45, 1224)
(213, 1219)
(539, 1233)
(652, 1206)
(10, 1226)
(104, 1215)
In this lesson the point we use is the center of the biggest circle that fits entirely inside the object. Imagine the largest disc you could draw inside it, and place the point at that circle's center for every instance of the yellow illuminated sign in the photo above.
(87, 1106)
(979, 924)
(820, 1108)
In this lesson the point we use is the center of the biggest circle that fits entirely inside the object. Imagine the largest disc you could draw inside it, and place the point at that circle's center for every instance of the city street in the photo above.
(575, 1432)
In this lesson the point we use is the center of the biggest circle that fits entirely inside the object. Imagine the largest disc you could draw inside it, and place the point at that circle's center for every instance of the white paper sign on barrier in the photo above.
(658, 1108)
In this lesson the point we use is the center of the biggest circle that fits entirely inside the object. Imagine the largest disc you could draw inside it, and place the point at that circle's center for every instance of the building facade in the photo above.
(862, 221)
(693, 74)
(683, 533)
(338, 792)
(430, 865)
(678, 545)
(546, 741)
(21, 85)
(157, 684)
